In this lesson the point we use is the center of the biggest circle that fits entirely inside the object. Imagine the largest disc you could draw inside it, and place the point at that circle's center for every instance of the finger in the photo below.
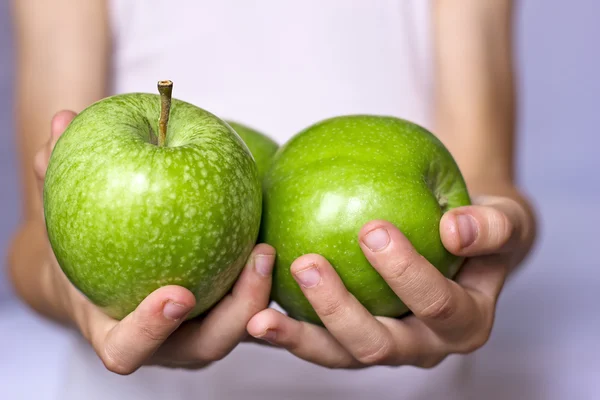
(59, 123)
(483, 278)
(416, 344)
(497, 226)
(306, 341)
(225, 326)
(440, 303)
(126, 345)
(40, 162)
(342, 314)
(485, 275)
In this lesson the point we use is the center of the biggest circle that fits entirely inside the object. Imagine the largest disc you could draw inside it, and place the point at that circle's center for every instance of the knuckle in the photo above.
(440, 310)
(431, 362)
(254, 303)
(250, 294)
(401, 267)
(330, 308)
(114, 361)
(39, 165)
(153, 334)
(249, 300)
(501, 229)
(376, 355)
(293, 340)
(477, 341)
(344, 362)
(292, 344)
(253, 306)
(209, 354)
(477, 333)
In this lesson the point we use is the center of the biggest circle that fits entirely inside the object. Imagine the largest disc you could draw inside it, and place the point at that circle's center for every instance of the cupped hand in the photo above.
(156, 332)
(448, 316)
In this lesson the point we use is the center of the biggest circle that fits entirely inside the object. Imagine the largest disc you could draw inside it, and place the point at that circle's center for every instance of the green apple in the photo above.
(134, 202)
(333, 177)
(261, 146)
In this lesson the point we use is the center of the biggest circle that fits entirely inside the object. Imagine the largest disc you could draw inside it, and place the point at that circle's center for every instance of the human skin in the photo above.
(474, 109)
(474, 117)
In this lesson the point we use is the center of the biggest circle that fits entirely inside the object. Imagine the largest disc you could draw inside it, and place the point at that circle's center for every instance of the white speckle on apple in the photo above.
(125, 216)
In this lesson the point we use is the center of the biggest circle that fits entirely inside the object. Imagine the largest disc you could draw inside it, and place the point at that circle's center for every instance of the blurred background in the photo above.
(545, 342)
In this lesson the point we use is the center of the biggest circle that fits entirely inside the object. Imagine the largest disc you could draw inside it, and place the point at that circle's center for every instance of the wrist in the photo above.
(33, 274)
(491, 186)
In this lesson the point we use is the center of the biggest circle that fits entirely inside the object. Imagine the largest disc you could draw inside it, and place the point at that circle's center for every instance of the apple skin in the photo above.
(261, 146)
(335, 176)
(125, 216)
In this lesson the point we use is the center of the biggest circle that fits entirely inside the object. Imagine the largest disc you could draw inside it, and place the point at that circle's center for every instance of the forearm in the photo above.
(476, 101)
(61, 58)
(62, 50)
(475, 95)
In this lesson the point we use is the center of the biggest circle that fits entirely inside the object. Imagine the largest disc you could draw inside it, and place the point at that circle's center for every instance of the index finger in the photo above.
(437, 301)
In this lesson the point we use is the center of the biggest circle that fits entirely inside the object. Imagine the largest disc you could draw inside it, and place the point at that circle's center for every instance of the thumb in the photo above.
(131, 342)
(493, 226)
(59, 123)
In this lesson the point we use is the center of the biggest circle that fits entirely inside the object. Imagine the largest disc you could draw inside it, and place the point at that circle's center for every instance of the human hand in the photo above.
(155, 332)
(447, 317)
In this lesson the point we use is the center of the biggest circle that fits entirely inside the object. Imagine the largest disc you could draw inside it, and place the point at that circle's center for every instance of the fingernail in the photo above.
(174, 311)
(377, 239)
(308, 277)
(263, 263)
(268, 336)
(467, 229)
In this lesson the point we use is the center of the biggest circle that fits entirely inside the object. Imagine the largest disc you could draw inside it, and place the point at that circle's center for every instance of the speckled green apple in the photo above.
(261, 146)
(332, 178)
(126, 214)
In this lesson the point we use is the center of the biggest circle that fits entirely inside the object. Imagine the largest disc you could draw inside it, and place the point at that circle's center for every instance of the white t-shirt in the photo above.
(278, 66)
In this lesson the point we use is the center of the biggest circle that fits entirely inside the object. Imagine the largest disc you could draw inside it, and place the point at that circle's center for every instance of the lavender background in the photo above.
(545, 343)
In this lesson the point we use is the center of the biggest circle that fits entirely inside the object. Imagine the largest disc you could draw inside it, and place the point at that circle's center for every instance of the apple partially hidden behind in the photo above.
(261, 146)
(332, 178)
(143, 192)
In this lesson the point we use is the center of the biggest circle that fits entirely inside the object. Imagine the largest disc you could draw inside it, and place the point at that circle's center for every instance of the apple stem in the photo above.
(165, 88)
